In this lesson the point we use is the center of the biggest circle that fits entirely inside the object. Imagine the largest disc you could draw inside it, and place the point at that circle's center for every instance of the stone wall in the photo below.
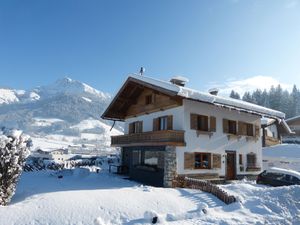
(170, 165)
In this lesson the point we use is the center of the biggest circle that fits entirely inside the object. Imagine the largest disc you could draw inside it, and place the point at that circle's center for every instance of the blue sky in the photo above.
(213, 43)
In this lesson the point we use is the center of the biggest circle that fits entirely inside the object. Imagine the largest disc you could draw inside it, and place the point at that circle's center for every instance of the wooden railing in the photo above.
(153, 138)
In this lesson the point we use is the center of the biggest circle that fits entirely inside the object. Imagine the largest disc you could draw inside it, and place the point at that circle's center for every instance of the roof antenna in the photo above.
(142, 71)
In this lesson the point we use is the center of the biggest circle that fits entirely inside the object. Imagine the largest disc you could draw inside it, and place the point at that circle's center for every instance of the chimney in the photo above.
(213, 91)
(179, 80)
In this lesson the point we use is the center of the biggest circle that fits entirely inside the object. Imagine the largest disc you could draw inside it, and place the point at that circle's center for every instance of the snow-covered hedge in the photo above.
(14, 149)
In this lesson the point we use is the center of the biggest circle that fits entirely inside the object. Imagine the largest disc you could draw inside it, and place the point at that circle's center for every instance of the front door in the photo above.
(230, 163)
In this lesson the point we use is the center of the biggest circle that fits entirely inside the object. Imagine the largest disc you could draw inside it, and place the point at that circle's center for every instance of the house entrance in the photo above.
(231, 165)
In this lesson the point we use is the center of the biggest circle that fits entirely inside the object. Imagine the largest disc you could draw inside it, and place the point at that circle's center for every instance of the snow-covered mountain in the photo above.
(60, 114)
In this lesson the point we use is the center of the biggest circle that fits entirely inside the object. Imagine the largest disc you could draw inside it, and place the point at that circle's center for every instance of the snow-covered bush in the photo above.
(14, 149)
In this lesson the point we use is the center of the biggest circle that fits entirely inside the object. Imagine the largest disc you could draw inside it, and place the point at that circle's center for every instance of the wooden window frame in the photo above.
(250, 129)
(232, 124)
(209, 123)
(240, 159)
(202, 127)
(202, 155)
(168, 123)
(149, 99)
(135, 127)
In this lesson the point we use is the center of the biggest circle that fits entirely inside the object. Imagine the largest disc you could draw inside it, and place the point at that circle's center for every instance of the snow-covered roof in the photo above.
(293, 118)
(284, 171)
(209, 98)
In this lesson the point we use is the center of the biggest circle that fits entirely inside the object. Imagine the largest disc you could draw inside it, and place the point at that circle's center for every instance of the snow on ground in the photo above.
(49, 144)
(84, 197)
(44, 122)
(284, 156)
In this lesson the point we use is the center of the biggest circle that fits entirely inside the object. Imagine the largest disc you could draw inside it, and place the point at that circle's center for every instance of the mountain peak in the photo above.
(69, 86)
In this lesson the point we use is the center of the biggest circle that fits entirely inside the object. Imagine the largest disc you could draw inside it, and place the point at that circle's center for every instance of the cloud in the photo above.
(249, 84)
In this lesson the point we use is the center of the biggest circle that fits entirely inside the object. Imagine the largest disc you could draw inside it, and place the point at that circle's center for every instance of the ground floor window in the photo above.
(202, 161)
(144, 159)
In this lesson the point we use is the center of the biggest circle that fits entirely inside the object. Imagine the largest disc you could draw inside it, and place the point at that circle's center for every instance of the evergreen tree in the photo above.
(248, 97)
(235, 95)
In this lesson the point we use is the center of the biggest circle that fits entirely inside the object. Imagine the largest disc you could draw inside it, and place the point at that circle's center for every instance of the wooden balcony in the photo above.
(153, 138)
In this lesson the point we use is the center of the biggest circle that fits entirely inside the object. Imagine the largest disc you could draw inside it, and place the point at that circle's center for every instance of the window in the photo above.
(163, 123)
(149, 99)
(251, 160)
(148, 159)
(202, 161)
(136, 157)
(231, 127)
(136, 127)
(154, 159)
(250, 129)
(202, 123)
(240, 159)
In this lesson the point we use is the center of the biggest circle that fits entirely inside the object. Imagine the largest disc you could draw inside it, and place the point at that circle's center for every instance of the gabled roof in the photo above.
(187, 93)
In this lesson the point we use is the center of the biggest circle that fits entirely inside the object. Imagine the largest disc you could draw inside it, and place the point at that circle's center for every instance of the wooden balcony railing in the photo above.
(153, 138)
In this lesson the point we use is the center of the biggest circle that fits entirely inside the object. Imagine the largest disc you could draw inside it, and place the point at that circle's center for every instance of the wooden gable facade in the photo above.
(138, 98)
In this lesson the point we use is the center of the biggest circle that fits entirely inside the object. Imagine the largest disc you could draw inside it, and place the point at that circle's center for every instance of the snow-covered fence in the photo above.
(203, 185)
(14, 149)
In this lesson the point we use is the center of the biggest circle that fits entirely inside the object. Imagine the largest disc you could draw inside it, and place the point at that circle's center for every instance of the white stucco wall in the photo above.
(218, 142)
(148, 119)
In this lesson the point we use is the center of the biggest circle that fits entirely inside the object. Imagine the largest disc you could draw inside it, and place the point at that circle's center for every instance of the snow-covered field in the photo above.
(84, 197)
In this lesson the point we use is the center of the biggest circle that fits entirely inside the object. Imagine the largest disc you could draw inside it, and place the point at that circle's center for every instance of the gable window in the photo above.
(149, 99)
(203, 123)
(136, 127)
(163, 123)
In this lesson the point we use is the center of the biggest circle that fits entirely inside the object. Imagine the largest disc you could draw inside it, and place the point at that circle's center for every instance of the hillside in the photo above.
(64, 113)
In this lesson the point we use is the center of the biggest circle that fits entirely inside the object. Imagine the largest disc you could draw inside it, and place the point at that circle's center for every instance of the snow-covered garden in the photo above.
(83, 196)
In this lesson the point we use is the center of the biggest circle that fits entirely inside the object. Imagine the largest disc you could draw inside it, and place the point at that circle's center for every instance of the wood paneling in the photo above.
(160, 102)
(189, 160)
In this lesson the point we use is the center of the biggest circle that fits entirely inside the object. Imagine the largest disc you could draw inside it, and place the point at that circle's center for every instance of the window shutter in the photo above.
(213, 124)
(189, 160)
(194, 121)
(209, 160)
(131, 128)
(257, 131)
(225, 126)
(216, 160)
(155, 124)
(170, 122)
(242, 128)
(140, 127)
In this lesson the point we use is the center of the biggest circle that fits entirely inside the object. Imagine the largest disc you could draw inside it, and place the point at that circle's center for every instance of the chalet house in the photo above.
(273, 131)
(172, 130)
